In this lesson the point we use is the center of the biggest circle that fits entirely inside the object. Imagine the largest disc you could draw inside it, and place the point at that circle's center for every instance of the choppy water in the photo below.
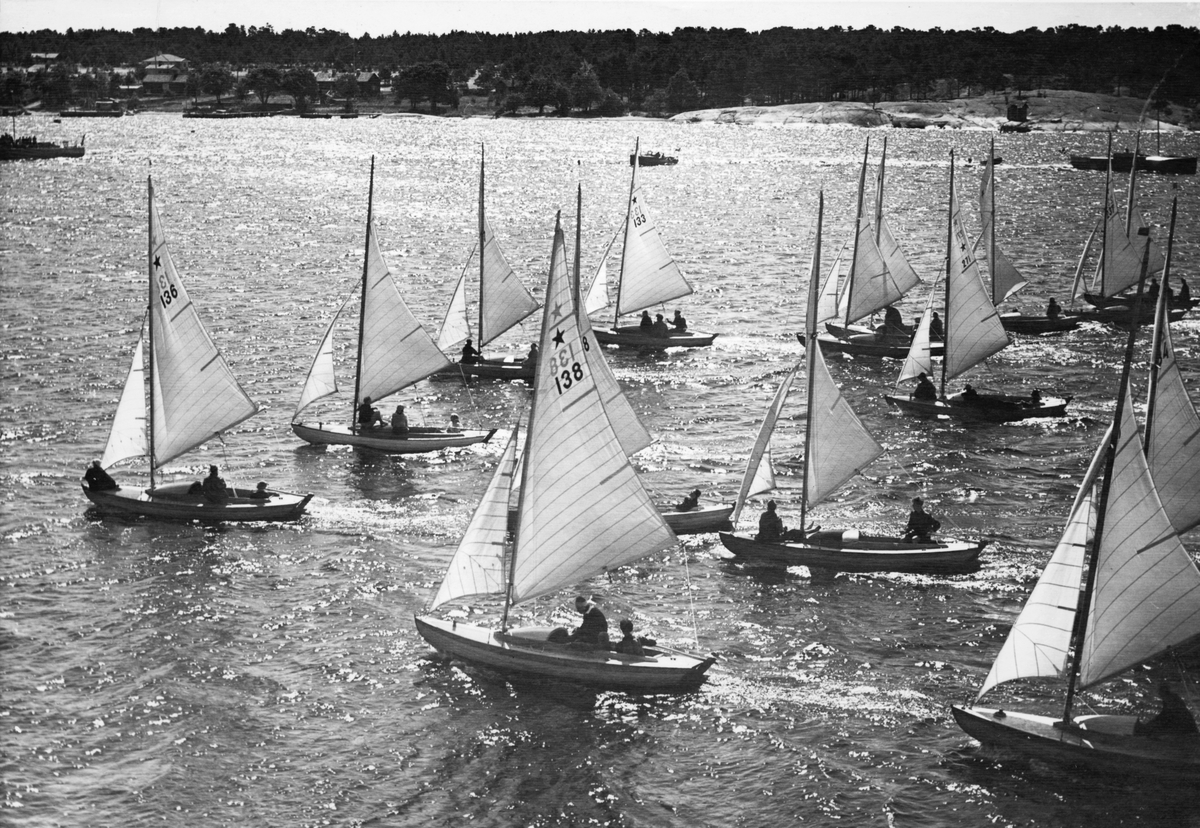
(175, 674)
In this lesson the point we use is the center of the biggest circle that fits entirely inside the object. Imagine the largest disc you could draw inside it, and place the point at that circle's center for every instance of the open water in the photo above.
(188, 675)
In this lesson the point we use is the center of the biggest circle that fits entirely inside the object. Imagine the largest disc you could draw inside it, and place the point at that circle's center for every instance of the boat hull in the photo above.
(1022, 324)
(652, 160)
(417, 441)
(33, 153)
(1095, 742)
(631, 336)
(490, 369)
(174, 502)
(850, 552)
(992, 408)
(864, 346)
(1124, 161)
(526, 653)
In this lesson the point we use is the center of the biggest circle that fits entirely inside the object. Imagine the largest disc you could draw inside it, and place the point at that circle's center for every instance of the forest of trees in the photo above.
(603, 72)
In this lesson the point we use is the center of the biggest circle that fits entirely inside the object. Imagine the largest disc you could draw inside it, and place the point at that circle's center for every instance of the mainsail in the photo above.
(1174, 440)
(760, 475)
(477, 567)
(582, 507)
(194, 394)
(1146, 598)
(649, 275)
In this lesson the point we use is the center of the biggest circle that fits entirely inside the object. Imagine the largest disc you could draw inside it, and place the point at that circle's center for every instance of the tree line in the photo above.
(605, 72)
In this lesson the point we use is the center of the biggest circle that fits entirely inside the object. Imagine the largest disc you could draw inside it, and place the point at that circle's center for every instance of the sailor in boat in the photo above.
(1184, 299)
(646, 324)
(1173, 721)
(660, 329)
(260, 491)
(679, 322)
(399, 421)
(455, 423)
(628, 644)
(969, 393)
(593, 631)
(470, 355)
(1053, 311)
(98, 479)
(368, 415)
(213, 488)
(893, 329)
(925, 389)
(1035, 398)
(690, 502)
(921, 524)
(936, 331)
(531, 358)
(771, 528)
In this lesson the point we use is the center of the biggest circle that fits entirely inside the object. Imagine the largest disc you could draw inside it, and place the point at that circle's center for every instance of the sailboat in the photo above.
(879, 276)
(503, 302)
(1006, 279)
(973, 332)
(1119, 591)
(836, 447)
(394, 351)
(699, 519)
(649, 276)
(194, 396)
(581, 511)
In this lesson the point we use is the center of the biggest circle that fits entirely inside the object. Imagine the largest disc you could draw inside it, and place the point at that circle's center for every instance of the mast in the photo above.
(991, 173)
(949, 252)
(1137, 146)
(150, 310)
(862, 183)
(1104, 216)
(810, 355)
(625, 243)
(879, 194)
(1085, 595)
(482, 244)
(362, 305)
(576, 283)
(1160, 322)
(511, 558)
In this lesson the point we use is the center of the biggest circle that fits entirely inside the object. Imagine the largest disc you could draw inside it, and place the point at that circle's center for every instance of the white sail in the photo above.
(840, 444)
(1006, 279)
(1122, 258)
(1146, 597)
(625, 422)
(477, 567)
(873, 287)
(760, 476)
(195, 395)
(973, 328)
(649, 275)
(903, 277)
(827, 301)
(396, 350)
(920, 356)
(127, 438)
(503, 300)
(456, 327)
(1174, 443)
(582, 507)
(597, 295)
(321, 381)
(1039, 641)
(1078, 288)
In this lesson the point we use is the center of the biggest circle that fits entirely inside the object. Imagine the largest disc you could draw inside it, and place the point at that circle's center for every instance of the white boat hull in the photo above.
(526, 653)
(1097, 742)
(417, 441)
(839, 551)
(174, 501)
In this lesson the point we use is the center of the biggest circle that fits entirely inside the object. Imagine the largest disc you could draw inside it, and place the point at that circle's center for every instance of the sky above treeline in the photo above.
(382, 17)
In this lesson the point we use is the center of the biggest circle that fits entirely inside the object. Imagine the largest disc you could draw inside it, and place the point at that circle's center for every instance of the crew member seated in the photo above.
(98, 479)
(690, 502)
(368, 415)
(646, 323)
(921, 524)
(925, 389)
(470, 355)
(593, 631)
(1053, 311)
(679, 322)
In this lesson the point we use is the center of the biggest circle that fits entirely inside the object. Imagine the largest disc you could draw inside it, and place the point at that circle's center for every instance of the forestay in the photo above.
(195, 395)
(582, 507)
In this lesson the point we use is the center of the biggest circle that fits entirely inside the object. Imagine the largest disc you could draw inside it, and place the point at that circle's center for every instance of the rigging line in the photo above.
(687, 572)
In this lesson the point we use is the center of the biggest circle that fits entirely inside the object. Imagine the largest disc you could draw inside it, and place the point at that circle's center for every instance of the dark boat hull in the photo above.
(174, 501)
(632, 336)
(992, 408)
(1124, 161)
(851, 552)
(490, 369)
(866, 346)
(1022, 324)
(417, 441)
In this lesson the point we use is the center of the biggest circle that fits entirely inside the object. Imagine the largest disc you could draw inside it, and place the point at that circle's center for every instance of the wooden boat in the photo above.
(582, 511)
(1125, 162)
(394, 352)
(651, 159)
(880, 275)
(973, 332)
(649, 276)
(1020, 323)
(836, 446)
(867, 345)
(1119, 592)
(194, 396)
(503, 302)
(28, 147)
